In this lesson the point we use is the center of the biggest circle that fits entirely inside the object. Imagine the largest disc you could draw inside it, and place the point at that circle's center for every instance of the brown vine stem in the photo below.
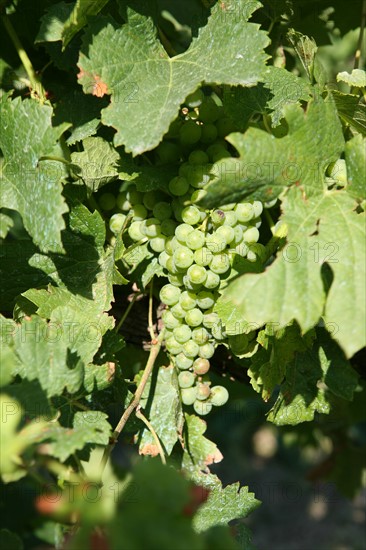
(151, 323)
(149, 426)
(154, 352)
(360, 38)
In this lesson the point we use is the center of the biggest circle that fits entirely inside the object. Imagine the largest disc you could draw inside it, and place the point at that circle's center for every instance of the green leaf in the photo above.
(356, 79)
(305, 49)
(199, 452)
(6, 223)
(279, 88)
(321, 229)
(162, 406)
(97, 164)
(352, 110)
(267, 165)
(42, 353)
(142, 109)
(355, 154)
(224, 505)
(53, 22)
(82, 10)
(27, 185)
(89, 428)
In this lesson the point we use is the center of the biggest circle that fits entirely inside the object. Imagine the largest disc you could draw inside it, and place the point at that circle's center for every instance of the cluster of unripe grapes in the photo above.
(195, 247)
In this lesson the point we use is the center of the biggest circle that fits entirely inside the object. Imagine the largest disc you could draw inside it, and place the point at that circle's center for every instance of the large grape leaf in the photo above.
(322, 229)
(97, 164)
(162, 405)
(147, 87)
(199, 452)
(27, 185)
(266, 165)
(355, 154)
(224, 505)
(89, 427)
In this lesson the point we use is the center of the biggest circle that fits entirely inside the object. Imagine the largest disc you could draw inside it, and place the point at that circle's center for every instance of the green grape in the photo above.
(189, 133)
(135, 232)
(176, 280)
(150, 199)
(206, 350)
(195, 239)
(201, 366)
(162, 210)
(171, 267)
(188, 395)
(200, 335)
(167, 227)
(203, 256)
(212, 281)
(173, 131)
(122, 203)
(170, 294)
(163, 257)
(225, 126)
(182, 231)
(183, 362)
(157, 244)
(151, 227)
(198, 157)
(226, 232)
(251, 235)
(220, 263)
(178, 311)
(255, 252)
(139, 212)
(230, 218)
(244, 212)
(209, 133)
(217, 151)
(242, 249)
(167, 153)
(116, 223)
(198, 176)
(178, 186)
(183, 257)
(191, 215)
(203, 391)
(227, 207)
(218, 217)
(195, 99)
(210, 320)
(189, 285)
(238, 343)
(238, 234)
(182, 334)
(107, 201)
(173, 346)
(258, 208)
(202, 407)
(190, 349)
(217, 332)
(170, 245)
(169, 320)
(187, 300)
(197, 195)
(219, 396)
(209, 111)
(194, 317)
(205, 299)
(134, 196)
(197, 274)
(215, 243)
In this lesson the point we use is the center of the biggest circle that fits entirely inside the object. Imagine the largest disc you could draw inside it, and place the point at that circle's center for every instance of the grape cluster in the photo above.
(195, 247)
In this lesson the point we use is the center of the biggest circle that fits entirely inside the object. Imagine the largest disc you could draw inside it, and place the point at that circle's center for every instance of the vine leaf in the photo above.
(267, 165)
(31, 187)
(82, 10)
(355, 153)
(199, 451)
(97, 164)
(163, 409)
(322, 229)
(147, 87)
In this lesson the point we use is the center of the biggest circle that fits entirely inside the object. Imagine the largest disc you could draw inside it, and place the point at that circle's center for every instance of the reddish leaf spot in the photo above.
(149, 449)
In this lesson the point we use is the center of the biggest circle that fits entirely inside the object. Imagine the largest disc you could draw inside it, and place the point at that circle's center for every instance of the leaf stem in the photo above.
(269, 220)
(150, 317)
(154, 352)
(35, 83)
(127, 311)
(153, 433)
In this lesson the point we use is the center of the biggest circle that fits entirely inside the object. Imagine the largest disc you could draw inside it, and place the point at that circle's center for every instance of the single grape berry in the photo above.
(162, 210)
(200, 335)
(195, 239)
(197, 157)
(187, 300)
(197, 274)
(219, 396)
(107, 201)
(201, 366)
(202, 407)
(173, 346)
(183, 257)
(189, 133)
(190, 349)
(169, 320)
(203, 391)
(191, 215)
(183, 362)
(188, 395)
(169, 294)
(178, 186)
(194, 317)
(116, 223)
(186, 379)
(206, 351)
(182, 231)
(182, 334)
